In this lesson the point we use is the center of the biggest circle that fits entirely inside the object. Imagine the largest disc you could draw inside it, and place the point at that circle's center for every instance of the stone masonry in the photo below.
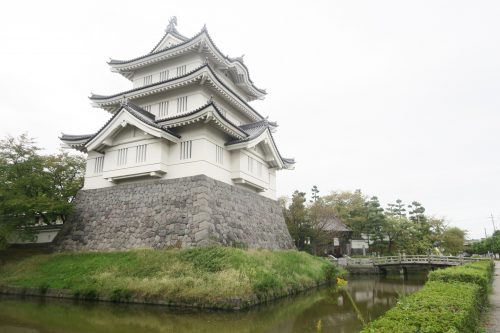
(184, 212)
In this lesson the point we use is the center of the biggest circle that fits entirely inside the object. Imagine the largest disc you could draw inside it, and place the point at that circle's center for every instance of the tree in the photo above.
(350, 208)
(375, 219)
(35, 187)
(297, 220)
(315, 193)
(396, 209)
(453, 240)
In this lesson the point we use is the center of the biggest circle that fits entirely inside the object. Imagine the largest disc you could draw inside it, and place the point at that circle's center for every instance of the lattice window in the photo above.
(164, 75)
(181, 70)
(99, 164)
(250, 164)
(219, 154)
(140, 153)
(182, 104)
(163, 107)
(122, 156)
(147, 80)
(186, 149)
(147, 108)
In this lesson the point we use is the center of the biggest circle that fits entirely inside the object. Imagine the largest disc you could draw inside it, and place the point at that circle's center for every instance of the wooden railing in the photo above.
(412, 259)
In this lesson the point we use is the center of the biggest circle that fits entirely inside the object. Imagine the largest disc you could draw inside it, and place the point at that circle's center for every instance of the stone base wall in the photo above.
(185, 212)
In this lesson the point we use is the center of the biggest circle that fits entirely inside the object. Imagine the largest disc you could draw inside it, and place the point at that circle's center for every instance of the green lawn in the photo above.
(207, 276)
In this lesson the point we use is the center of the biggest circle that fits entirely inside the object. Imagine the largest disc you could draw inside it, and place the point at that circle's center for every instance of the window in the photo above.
(122, 156)
(182, 104)
(163, 107)
(140, 153)
(147, 108)
(186, 148)
(250, 164)
(259, 168)
(219, 154)
(147, 80)
(181, 70)
(164, 75)
(99, 164)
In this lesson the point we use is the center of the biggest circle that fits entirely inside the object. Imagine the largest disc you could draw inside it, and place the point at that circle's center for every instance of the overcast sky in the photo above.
(397, 98)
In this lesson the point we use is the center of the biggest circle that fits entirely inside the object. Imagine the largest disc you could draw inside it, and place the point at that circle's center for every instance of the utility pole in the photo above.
(485, 235)
(493, 221)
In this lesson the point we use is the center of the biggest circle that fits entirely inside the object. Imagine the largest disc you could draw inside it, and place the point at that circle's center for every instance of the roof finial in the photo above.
(171, 24)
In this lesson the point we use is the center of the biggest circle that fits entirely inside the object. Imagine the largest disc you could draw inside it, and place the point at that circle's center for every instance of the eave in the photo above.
(201, 43)
(209, 113)
(136, 117)
(203, 74)
(75, 141)
(267, 138)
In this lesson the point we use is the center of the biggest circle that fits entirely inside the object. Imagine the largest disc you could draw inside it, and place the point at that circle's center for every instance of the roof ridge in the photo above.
(75, 137)
(265, 121)
(203, 30)
(139, 109)
(116, 61)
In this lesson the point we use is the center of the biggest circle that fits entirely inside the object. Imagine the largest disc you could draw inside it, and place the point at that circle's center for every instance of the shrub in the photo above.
(438, 307)
(478, 273)
(450, 302)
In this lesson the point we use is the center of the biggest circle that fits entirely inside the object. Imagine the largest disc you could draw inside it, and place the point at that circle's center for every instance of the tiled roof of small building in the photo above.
(335, 224)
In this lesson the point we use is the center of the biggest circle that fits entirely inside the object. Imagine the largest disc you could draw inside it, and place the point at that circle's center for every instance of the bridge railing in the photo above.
(412, 259)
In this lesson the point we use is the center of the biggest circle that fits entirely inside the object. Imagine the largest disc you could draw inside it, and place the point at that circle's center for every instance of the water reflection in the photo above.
(322, 310)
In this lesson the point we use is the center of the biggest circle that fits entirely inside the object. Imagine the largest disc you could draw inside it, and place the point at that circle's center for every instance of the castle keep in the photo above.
(184, 159)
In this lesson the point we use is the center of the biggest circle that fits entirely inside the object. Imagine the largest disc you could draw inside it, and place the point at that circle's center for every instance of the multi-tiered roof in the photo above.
(227, 78)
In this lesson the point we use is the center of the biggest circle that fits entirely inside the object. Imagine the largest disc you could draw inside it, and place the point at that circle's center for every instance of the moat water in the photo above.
(322, 310)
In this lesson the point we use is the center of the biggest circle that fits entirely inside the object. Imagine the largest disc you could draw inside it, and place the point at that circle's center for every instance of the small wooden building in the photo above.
(339, 236)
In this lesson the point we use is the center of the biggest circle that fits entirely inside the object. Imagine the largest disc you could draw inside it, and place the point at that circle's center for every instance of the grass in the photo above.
(209, 277)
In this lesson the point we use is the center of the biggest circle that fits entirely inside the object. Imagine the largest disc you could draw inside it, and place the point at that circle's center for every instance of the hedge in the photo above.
(451, 301)
(479, 273)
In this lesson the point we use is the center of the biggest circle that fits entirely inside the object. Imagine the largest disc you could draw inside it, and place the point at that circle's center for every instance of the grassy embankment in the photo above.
(216, 277)
(451, 301)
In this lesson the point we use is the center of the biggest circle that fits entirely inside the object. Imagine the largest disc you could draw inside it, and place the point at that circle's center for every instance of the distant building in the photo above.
(339, 236)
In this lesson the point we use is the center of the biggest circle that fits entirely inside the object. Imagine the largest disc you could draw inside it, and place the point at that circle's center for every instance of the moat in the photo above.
(323, 310)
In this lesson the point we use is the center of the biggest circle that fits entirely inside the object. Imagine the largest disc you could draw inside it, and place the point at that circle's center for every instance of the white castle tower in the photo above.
(187, 114)
(184, 160)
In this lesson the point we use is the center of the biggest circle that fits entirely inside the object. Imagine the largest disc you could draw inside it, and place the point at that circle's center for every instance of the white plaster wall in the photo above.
(192, 61)
(195, 99)
(166, 156)
(156, 159)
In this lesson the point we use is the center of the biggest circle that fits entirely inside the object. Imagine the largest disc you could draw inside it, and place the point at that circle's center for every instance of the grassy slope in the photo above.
(206, 276)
